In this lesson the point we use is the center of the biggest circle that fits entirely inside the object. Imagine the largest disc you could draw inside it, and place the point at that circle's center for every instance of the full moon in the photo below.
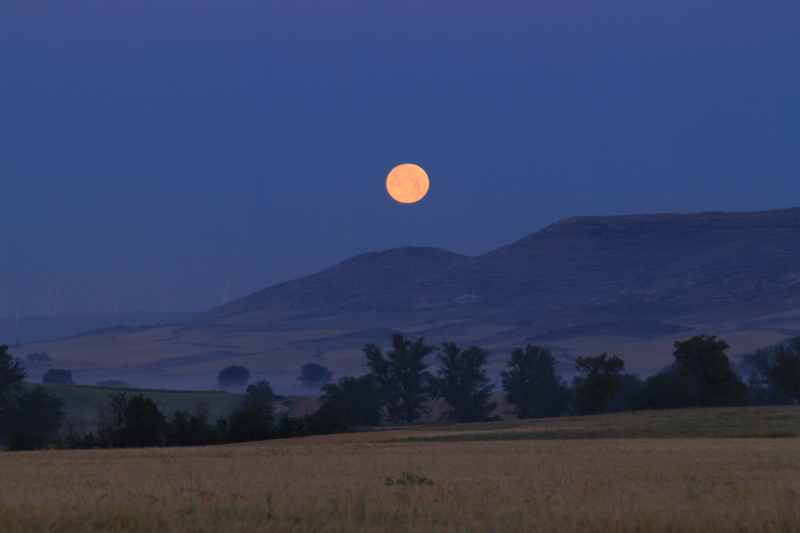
(407, 183)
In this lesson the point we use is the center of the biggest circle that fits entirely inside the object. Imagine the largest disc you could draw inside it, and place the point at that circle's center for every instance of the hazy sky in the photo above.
(191, 143)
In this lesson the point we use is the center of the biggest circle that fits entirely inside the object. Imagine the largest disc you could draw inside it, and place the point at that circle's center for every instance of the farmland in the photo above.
(339, 483)
(81, 400)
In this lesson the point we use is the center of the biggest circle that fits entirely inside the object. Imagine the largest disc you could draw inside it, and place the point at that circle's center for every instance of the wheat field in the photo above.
(339, 484)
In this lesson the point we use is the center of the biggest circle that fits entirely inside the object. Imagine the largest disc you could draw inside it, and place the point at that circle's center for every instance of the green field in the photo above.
(81, 400)
(723, 422)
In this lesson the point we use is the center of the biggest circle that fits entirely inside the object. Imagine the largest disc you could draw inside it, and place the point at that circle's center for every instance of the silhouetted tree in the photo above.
(362, 395)
(786, 371)
(110, 421)
(36, 358)
(665, 390)
(702, 361)
(762, 388)
(602, 383)
(145, 424)
(192, 429)
(462, 382)
(11, 374)
(31, 416)
(57, 376)
(233, 377)
(253, 421)
(261, 389)
(314, 375)
(532, 385)
(400, 376)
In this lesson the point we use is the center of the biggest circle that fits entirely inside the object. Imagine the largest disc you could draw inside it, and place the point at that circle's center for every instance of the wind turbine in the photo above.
(45, 304)
(163, 295)
(225, 293)
(16, 314)
(91, 305)
(2, 305)
(112, 301)
(55, 303)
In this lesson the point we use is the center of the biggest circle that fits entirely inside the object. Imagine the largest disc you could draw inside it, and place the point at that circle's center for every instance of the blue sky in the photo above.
(192, 143)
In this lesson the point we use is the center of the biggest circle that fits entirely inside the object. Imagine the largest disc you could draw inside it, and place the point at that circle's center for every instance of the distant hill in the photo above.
(629, 285)
(674, 261)
(33, 329)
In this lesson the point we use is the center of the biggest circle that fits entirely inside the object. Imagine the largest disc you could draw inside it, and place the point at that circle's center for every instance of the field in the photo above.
(339, 483)
(81, 400)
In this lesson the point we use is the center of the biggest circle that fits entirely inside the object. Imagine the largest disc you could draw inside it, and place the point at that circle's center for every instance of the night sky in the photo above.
(199, 142)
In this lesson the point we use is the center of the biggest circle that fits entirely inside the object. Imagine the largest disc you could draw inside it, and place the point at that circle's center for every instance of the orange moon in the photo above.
(407, 183)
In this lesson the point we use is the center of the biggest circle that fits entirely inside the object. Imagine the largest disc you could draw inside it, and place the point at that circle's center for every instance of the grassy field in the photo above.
(696, 485)
(81, 400)
(339, 483)
(724, 422)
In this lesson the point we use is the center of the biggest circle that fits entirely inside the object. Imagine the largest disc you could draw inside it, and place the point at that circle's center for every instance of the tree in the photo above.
(31, 416)
(532, 385)
(57, 376)
(233, 377)
(764, 390)
(145, 424)
(11, 374)
(253, 421)
(665, 390)
(314, 375)
(602, 382)
(192, 429)
(261, 389)
(786, 371)
(702, 361)
(35, 358)
(400, 376)
(462, 382)
(362, 395)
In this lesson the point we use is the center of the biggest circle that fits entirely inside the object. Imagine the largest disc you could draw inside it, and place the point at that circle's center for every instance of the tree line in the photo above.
(399, 388)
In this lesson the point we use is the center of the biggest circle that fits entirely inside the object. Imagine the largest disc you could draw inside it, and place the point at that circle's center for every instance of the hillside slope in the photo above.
(629, 285)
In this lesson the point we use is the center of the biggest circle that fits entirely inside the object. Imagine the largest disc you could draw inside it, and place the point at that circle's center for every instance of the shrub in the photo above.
(24, 438)
(362, 395)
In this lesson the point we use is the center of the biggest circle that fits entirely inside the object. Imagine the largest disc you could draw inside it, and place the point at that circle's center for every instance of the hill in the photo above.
(629, 285)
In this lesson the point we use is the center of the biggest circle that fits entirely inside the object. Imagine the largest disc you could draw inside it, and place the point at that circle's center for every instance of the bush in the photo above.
(144, 423)
(665, 390)
(23, 438)
(60, 377)
(261, 389)
(362, 395)
(37, 410)
(252, 422)
(233, 377)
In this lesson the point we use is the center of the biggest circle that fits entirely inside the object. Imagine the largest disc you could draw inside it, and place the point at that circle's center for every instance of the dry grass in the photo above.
(338, 485)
